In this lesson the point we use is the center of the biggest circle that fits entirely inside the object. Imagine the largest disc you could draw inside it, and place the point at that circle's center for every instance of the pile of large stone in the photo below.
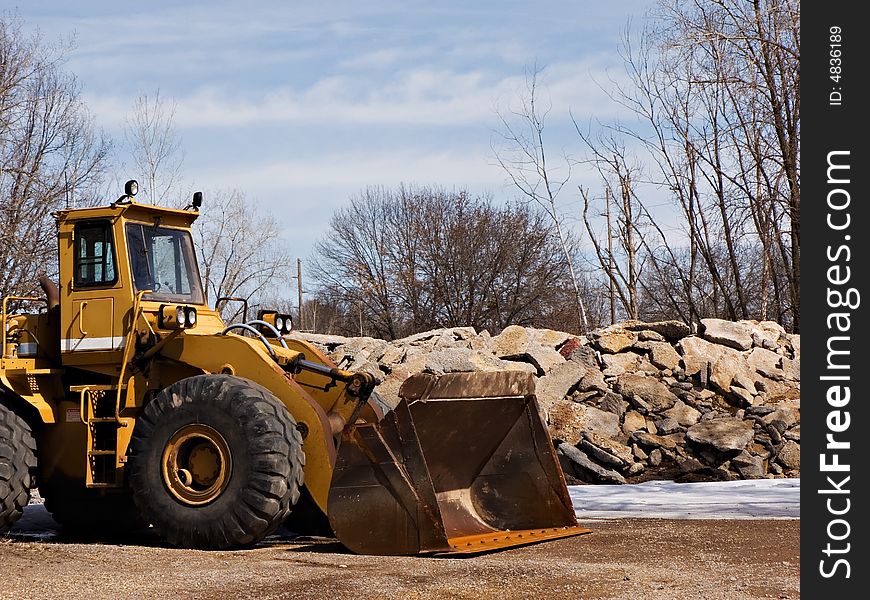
(632, 401)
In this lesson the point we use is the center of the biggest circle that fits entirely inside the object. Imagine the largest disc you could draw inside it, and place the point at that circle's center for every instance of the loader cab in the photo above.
(109, 256)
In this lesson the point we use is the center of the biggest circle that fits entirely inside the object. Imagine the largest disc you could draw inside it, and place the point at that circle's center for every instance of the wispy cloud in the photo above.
(424, 96)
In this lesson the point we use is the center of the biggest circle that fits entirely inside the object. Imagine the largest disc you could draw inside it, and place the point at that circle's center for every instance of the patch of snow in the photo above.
(750, 499)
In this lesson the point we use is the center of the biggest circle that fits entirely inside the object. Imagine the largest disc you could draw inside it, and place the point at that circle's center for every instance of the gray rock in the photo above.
(794, 339)
(549, 337)
(749, 466)
(697, 354)
(615, 340)
(611, 446)
(766, 363)
(617, 364)
(792, 368)
(638, 452)
(728, 333)
(581, 460)
(767, 333)
(782, 418)
(634, 421)
(634, 469)
(569, 420)
(522, 367)
(392, 355)
(664, 356)
(582, 354)
(746, 397)
(612, 403)
(724, 434)
(668, 425)
(731, 367)
(651, 440)
(512, 341)
(793, 434)
(455, 360)
(420, 338)
(593, 380)
(581, 397)
(648, 335)
(638, 403)
(671, 330)
(790, 455)
(544, 357)
(600, 455)
(683, 414)
(655, 457)
(556, 384)
(652, 391)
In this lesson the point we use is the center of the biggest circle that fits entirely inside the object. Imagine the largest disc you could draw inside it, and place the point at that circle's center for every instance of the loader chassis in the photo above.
(129, 401)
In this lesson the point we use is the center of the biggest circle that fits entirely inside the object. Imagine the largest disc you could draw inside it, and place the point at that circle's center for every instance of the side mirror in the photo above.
(197, 200)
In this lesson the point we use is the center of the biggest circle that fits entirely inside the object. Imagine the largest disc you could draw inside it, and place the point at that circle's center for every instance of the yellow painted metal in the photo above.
(252, 360)
(196, 464)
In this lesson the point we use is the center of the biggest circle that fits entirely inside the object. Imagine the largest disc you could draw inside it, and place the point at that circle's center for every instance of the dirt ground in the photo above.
(630, 559)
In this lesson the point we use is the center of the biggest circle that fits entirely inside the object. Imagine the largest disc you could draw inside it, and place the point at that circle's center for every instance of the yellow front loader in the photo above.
(129, 402)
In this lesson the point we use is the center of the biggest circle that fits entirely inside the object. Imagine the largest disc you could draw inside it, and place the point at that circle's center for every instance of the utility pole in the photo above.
(299, 288)
(610, 275)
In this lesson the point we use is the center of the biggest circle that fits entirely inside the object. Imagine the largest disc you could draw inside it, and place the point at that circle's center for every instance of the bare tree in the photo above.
(621, 265)
(715, 84)
(401, 261)
(241, 252)
(523, 156)
(51, 156)
(155, 147)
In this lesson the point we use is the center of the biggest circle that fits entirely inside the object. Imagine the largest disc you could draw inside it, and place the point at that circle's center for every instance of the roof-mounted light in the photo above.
(131, 188)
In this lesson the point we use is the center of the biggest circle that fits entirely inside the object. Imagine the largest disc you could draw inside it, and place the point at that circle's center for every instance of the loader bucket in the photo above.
(463, 464)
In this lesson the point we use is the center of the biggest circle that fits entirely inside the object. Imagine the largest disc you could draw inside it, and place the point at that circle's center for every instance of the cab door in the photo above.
(89, 332)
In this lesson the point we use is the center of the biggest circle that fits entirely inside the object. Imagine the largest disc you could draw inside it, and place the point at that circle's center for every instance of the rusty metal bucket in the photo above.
(463, 464)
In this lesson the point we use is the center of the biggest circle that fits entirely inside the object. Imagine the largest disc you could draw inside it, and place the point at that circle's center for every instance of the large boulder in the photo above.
(730, 369)
(734, 334)
(614, 340)
(790, 455)
(512, 341)
(663, 355)
(650, 390)
(683, 414)
(453, 360)
(556, 384)
(671, 330)
(697, 354)
(588, 467)
(724, 434)
(569, 420)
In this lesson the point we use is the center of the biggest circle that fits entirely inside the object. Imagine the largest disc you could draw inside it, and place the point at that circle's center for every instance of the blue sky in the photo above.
(300, 105)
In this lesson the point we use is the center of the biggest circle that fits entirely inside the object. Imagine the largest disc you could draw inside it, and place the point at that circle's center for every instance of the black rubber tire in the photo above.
(90, 513)
(267, 460)
(17, 466)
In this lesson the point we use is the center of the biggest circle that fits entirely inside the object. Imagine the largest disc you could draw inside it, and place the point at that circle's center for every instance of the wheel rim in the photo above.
(196, 464)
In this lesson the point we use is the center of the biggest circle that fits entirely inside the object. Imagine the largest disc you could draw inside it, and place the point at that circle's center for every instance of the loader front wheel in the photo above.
(17, 466)
(215, 462)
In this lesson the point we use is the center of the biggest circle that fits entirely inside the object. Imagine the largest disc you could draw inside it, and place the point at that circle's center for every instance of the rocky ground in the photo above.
(631, 402)
(625, 559)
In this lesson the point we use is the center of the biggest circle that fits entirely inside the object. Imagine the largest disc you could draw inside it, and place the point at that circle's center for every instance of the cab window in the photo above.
(162, 261)
(94, 255)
